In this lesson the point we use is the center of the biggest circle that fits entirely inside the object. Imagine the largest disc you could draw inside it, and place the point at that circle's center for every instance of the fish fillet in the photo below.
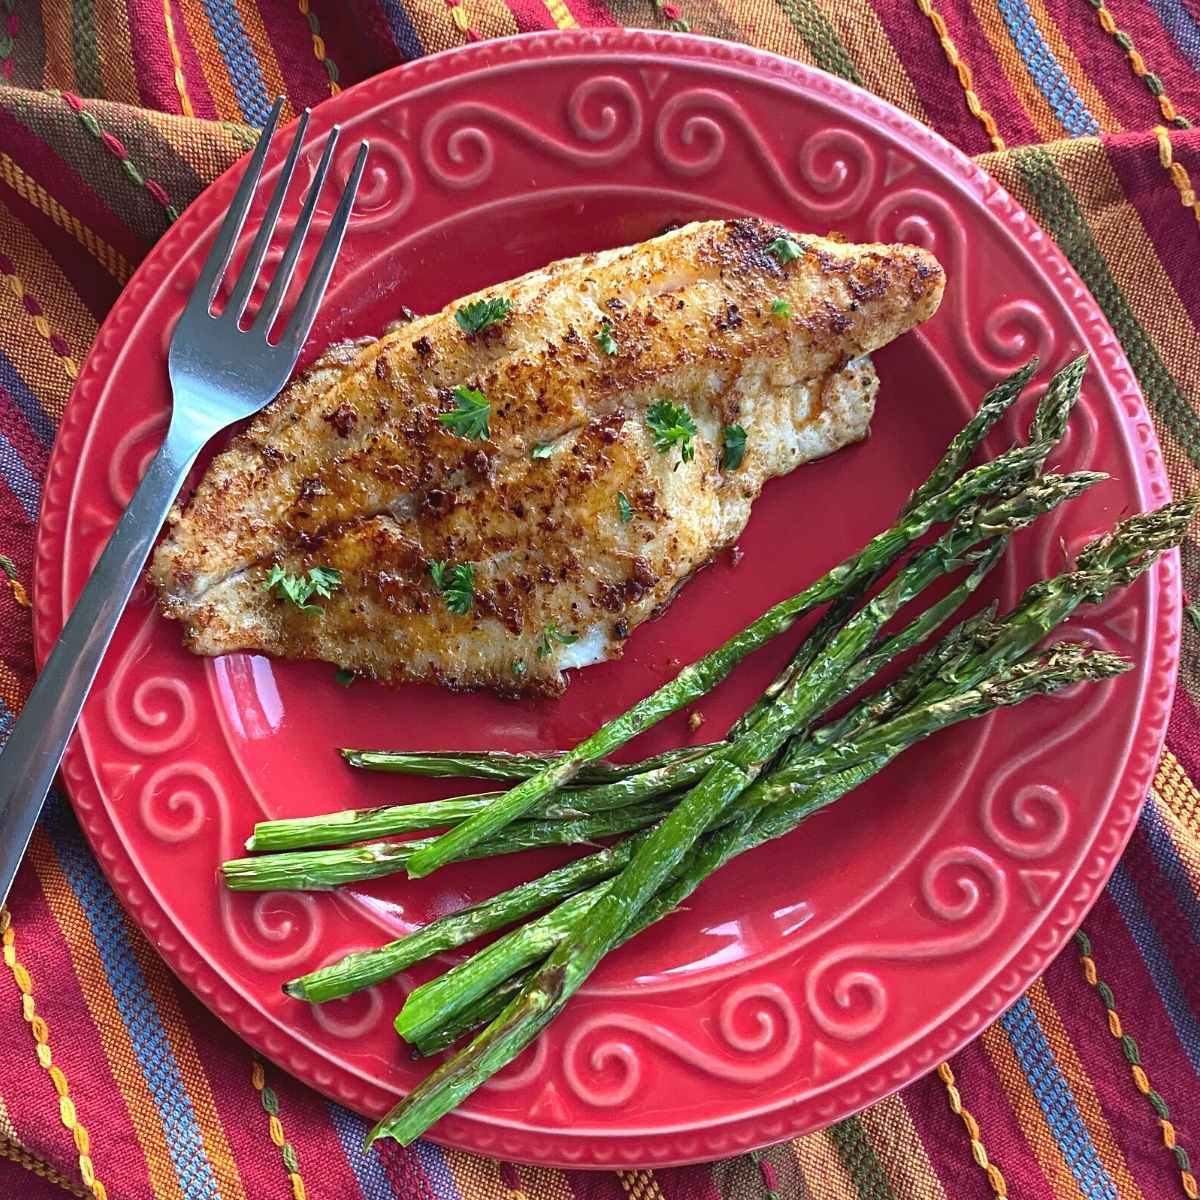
(573, 547)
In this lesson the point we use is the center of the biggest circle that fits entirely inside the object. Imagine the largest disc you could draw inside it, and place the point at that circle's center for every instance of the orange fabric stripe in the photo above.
(211, 63)
(59, 69)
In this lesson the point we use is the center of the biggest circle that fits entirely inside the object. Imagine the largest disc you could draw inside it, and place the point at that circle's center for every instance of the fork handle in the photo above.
(39, 738)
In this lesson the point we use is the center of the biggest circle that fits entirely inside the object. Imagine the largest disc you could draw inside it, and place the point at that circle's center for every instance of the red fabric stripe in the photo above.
(1149, 188)
(1129, 1116)
(591, 13)
(194, 78)
(76, 1047)
(530, 15)
(91, 282)
(38, 160)
(362, 45)
(919, 51)
(595, 1185)
(303, 76)
(694, 1183)
(946, 1141)
(17, 1181)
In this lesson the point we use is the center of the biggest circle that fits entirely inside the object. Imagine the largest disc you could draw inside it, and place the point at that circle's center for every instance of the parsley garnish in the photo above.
(784, 250)
(551, 636)
(519, 668)
(456, 584)
(343, 677)
(300, 589)
(735, 447)
(470, 418)
(624, 508)
(8, 566)
(672, 425)
(780, 308)
(479, 314)
(605, 339)
(541, 451)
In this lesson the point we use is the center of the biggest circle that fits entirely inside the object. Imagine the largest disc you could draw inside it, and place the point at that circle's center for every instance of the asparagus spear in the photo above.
(544, 995)
(367, 967)
(501, 765)
(317, 870)
(442, 998)
(701, 676)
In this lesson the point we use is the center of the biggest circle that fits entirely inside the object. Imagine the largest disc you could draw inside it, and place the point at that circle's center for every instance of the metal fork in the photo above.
(219, 374)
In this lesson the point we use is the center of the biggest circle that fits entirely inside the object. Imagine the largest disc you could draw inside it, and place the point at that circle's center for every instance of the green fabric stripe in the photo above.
(820, 37)
(854, 1149)
(88, 80)
(1064, 221)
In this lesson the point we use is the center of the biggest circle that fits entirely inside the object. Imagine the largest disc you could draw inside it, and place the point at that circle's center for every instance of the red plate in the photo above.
(813, 976)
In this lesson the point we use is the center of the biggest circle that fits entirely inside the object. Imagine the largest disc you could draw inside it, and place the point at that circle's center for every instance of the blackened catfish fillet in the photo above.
(586, 507)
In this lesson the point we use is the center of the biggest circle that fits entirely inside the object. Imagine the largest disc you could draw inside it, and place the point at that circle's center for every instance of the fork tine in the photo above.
(222, 250)
(287, 265)
(301, 320)
(245, 285)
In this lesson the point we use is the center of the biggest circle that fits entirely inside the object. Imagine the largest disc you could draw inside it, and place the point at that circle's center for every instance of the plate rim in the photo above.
(1024, 964)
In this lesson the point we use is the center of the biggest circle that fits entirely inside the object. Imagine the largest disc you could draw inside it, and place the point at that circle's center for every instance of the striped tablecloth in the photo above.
(113, 115)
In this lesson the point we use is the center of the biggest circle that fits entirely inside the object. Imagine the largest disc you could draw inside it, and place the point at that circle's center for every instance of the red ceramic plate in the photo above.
(818, 973)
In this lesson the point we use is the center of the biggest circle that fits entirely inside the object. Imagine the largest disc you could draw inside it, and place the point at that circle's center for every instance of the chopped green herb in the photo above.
(1193, 615)
(780, 308)
(460, 589)
(8, 566)
(735, 447)
(519, 668)
(300, 589)
(343, 677)
(785, 250)
(605, 339)
(541, 451)
(478, 315)
(672, 425)
(456, 583)
(470, 418)
(551, 636)
(624, 508)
